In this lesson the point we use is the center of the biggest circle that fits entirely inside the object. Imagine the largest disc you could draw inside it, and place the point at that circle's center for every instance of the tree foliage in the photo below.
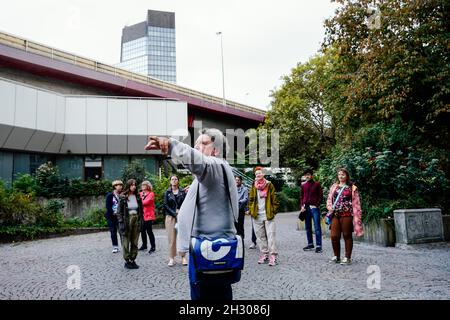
(394, 59)
(299, 110)
(381, 84)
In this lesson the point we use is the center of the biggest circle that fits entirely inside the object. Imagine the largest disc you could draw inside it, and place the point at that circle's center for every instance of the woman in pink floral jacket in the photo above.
(346, 215)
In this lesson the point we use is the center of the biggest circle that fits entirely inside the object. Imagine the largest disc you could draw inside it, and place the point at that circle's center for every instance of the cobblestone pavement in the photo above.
(37, 270)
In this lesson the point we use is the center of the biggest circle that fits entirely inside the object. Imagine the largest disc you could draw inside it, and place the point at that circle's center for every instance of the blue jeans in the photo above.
(314, 214)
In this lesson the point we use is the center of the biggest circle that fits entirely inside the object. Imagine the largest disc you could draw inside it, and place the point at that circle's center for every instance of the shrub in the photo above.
(25, 183)
(95, 217)
(292, 192)
(134, 170)
(286, 204)
(78, 188)
(52, 215)
(48, 180)
(17, 208)
(390, 178)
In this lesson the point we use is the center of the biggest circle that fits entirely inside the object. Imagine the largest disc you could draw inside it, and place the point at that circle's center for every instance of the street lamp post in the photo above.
(223, 73)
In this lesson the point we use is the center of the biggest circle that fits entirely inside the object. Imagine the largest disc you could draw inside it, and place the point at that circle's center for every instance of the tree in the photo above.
(392, 74)
(300, 111)
(134, 170)
(394, 68)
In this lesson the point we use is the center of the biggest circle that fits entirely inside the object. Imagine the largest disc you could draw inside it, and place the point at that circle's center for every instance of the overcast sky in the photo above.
(262, 39)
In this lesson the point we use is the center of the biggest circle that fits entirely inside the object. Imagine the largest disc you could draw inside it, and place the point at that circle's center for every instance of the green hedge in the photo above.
(390, 178)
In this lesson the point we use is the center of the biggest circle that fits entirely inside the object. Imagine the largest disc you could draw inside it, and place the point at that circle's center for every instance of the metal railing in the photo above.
(59, 55)
(246, 181)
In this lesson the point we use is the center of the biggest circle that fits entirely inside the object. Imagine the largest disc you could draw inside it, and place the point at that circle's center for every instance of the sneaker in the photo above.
(309, 247)
(184, 261)
(142, 248)
(115, 250)
(171, 262)
(319, 250)
(263, 258)
(346, 261)
(335, 259)
(134, 265)
(272, 260)
(128, 265)
(252, 246)
(151, 250)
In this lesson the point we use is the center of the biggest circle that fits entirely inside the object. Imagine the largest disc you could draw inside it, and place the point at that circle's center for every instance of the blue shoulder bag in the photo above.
(216, 256)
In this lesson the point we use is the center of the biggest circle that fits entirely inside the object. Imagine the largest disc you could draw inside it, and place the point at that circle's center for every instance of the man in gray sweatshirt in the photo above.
(215, 213)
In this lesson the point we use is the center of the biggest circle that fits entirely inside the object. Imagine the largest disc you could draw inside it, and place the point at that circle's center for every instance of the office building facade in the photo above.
(149, 47)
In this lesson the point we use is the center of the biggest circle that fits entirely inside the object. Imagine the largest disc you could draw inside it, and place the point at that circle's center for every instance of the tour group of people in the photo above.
(203, 210)
(131, 213)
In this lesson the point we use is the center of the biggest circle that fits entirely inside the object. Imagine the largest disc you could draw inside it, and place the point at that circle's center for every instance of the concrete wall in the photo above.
(79, 207)
(380, 233)
(418, 225)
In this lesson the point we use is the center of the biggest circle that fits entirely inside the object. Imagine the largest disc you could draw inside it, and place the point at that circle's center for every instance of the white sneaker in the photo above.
(115, 250)
(345, 260)
(335, 259)
(252, 246)
(171, 262)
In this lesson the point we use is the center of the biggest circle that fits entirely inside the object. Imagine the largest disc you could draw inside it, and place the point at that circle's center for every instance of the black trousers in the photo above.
(240, 224)
(147, 229)
(213, 287)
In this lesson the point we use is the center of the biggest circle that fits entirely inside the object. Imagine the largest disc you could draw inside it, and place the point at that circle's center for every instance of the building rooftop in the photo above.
(43, 59)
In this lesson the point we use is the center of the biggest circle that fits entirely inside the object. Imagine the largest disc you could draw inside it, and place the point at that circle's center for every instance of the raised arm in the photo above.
(192, 159)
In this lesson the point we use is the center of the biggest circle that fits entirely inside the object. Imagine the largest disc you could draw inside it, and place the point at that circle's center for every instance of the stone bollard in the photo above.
(414, 226)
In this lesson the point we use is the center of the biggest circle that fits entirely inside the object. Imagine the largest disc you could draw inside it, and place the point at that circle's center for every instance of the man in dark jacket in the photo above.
(243, 201)
(310, 199)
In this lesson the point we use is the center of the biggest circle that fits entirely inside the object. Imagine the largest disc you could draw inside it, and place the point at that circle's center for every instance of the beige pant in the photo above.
(265, 233)
(172, 236)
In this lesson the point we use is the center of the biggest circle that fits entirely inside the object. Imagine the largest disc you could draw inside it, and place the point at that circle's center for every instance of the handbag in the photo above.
(329, 215)
(302, 215)
(212, 256)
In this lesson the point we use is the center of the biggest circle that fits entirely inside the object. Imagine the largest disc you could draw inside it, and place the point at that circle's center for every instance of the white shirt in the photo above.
(132, 202)
(261, 207)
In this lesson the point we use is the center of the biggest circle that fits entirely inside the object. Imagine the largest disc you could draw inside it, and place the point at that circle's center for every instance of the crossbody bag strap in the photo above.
(228, 190)
(228, 193)
(339, 194)
(195, 208)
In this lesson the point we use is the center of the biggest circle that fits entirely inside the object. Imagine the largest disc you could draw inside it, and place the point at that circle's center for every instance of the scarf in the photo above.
(261, 185)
